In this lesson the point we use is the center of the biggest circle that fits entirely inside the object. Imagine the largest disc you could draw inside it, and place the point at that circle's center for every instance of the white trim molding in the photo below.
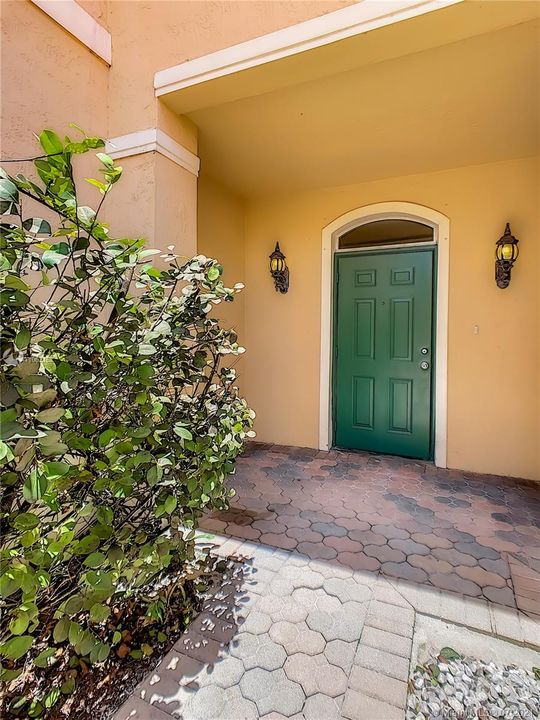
(153, 140)
(361, 17)
(441, 236)
(79, 23)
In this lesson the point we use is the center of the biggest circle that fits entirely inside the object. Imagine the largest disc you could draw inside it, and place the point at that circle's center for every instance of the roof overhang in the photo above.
(279, 58)
(454, 85)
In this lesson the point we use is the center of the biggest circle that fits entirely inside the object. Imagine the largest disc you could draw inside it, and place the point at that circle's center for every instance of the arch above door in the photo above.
(330, 237)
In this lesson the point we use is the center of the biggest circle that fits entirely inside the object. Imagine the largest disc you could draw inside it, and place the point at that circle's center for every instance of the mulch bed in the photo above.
(101, 689)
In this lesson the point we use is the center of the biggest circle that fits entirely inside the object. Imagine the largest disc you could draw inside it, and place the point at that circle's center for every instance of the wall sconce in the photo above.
(506, 253)
(279, 270)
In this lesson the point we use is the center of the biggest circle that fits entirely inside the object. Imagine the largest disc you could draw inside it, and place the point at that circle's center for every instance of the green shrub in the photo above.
(119, 423)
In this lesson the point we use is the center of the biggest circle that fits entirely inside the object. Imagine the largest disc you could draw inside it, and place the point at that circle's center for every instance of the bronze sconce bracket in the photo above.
(281, 281)
(503, 269)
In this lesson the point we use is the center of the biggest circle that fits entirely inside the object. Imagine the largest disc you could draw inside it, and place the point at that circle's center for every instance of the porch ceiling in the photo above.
(469, 101)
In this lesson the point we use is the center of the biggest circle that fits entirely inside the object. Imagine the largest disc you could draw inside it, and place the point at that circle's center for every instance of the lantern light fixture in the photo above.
(279, 270)
(506, 254)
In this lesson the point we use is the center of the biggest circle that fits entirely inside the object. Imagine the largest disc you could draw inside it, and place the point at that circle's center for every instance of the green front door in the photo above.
(383, 352)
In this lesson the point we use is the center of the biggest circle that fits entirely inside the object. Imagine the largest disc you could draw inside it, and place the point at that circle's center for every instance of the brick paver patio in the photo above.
(457, 531)
(332, 557)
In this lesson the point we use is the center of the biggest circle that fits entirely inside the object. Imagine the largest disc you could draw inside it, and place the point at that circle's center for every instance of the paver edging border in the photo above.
(502, 622)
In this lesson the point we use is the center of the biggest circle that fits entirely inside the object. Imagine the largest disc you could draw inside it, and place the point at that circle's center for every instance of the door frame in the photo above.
(441, 238)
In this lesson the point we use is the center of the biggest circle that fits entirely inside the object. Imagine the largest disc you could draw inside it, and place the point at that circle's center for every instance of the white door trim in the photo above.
(441, 236)
(355, 19)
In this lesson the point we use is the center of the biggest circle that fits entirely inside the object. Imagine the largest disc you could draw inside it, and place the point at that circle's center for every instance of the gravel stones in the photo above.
(467, 687)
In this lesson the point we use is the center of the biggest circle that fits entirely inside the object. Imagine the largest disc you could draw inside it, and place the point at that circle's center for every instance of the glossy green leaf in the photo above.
(102, 187)
(182, 432)
(16, 647)
(43, 398)
(448, 653)
(26, 521)
(23, 337)
(99, 613)
(105, 437)
(75, 633)
(61, 630)
(50, 142)
(37, 226)
(51, 698)
(105, 159)
(19, 623)
(43, 659)
(51, 415)
(50, 258)
(35, 486)
(14, 298)
(55, 470)
(8, 394)
(26, 368)
(8, 191)
(15, 283)
(170, 504)
(95, 560)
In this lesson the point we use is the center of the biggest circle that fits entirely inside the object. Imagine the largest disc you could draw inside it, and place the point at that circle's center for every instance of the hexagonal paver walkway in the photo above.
(332, 556)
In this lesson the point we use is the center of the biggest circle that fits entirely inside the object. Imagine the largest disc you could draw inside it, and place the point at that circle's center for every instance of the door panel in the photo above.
(400, 408)
(383, 319)
(401, 328)
(363, 397)
(364, 328)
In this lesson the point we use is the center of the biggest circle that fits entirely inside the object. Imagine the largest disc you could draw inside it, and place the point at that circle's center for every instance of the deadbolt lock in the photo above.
(424, 350)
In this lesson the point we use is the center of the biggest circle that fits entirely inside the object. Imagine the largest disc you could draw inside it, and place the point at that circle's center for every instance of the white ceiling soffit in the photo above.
(356, 19)
(415, 113)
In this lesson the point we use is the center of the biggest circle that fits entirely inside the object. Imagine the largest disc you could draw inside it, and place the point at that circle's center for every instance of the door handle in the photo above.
(424, 365)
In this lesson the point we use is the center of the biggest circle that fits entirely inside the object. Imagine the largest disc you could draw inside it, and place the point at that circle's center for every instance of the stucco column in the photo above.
(175, 207)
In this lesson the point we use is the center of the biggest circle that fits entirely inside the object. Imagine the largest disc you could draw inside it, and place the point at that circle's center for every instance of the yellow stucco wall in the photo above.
(49, 79)
(221, 216)
(150, 36)
(493, 377)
